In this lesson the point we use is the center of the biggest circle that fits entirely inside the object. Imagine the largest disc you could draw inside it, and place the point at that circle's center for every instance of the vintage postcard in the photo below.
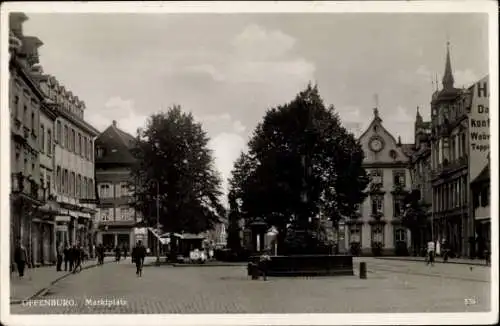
(227, 163)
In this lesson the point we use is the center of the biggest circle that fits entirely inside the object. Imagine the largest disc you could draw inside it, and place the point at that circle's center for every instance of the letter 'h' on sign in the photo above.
(482, 90)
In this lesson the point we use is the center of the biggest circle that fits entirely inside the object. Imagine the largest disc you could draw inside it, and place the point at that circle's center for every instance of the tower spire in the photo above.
(448, 80)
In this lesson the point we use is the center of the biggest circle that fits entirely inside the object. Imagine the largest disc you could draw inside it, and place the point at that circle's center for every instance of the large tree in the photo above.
(174, 161)
(301, 162)
(415, 219)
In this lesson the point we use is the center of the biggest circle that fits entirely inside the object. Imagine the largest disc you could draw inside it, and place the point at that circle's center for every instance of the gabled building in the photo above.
(117, 217)
(387, 163)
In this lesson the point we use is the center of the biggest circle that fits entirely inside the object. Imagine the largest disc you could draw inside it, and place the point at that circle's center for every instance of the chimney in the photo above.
(16, 20)
(114, 123)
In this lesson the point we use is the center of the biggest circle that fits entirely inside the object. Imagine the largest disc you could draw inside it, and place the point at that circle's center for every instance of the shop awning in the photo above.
(156, 233)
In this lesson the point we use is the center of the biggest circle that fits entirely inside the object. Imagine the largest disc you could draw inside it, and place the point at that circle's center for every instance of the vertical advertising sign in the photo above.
(479, 128)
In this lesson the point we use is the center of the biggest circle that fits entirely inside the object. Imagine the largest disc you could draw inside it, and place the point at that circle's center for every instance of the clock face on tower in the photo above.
(376, 144)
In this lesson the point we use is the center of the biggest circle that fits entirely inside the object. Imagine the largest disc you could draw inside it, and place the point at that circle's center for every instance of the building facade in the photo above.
(387, 163)
(420, 174)
(27, 107)
(117, 218)
(449, 152)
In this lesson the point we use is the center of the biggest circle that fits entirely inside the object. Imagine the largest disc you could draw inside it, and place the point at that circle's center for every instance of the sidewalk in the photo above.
(464, 261)
(37, 280)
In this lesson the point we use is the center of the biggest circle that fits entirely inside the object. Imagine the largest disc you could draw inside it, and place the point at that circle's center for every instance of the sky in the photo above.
(228, 69)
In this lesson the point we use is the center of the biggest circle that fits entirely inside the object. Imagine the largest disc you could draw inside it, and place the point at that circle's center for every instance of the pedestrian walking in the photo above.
(138, 256)
(430, 252)
(20, 258)
(264, 263)
(117, 253)
(78, 255)
(125, 252)
(66, 254)
(72, 257)
(60, 249)
(100, 254)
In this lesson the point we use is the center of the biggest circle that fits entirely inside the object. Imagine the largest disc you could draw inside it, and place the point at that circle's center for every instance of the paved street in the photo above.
(392, 286)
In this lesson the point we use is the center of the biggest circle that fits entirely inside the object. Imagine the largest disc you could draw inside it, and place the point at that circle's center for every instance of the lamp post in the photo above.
(158, 222)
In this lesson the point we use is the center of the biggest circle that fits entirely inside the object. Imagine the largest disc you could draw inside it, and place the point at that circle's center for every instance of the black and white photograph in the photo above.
(204, 160)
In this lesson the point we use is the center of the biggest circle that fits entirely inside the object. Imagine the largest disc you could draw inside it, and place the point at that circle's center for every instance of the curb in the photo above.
(210, 265)
(437, 261)
(45, 289)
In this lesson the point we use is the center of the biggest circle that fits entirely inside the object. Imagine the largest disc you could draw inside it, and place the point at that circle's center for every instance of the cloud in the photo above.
(259, 56)
(465, 78)
(257, 43)
(400, 116)
(128, 118)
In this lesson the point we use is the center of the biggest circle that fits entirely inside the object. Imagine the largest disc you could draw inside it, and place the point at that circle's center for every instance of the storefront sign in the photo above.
(479, 128)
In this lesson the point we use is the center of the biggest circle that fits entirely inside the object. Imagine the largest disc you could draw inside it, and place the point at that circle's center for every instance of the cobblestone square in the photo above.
(391, 287)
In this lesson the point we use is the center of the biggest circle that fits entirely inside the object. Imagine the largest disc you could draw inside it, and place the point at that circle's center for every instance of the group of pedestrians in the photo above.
(72, 256)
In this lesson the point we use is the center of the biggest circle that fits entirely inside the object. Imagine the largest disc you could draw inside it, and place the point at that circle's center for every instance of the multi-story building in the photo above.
(117, 217)
(27, 108)
(387, 163)
(479, 164)
(73, 165)
(449, 154)
(421, 176)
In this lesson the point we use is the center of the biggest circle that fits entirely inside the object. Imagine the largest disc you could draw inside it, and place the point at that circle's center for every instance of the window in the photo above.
(25, 113)
(49, 182)
(355, 233)
(66, 137)
(106, 214)
(73, 184)
(49, 142)
(65, 183)
(485, 197)
(91, 150)
(378, 233)
(124, 213)
(33, 123)
(58, 132)
(15, 106)
(86, 147)
(26, 165)
(463, 149)
(79, 144)
(399, 178)
(90, 191)
(398, 206)
(58, 180)
(100, 152)
(85, 187)
(377, 204)
(400, 235)
(105, 190)
(79, 186)
(377, 177)
(73, 140)
(42, 138)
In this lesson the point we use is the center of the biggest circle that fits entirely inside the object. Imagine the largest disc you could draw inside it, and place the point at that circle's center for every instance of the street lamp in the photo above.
(158, 221)
(157, 146)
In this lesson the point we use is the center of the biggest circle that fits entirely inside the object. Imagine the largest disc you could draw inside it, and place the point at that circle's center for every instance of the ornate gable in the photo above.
(380, 146)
